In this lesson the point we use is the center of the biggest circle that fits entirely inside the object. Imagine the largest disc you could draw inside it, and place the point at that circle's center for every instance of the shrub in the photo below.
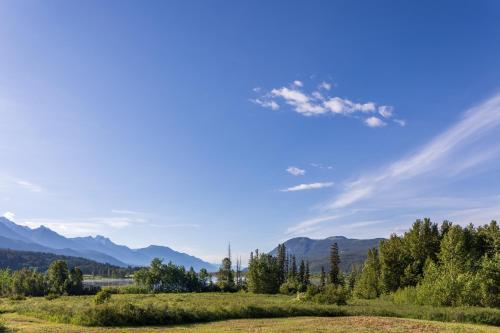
(102, 296)
(407, 295)
(332, 295)
(289, 288)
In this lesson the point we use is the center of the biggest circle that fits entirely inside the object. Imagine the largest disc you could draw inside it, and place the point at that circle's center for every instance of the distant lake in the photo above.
(107, 282)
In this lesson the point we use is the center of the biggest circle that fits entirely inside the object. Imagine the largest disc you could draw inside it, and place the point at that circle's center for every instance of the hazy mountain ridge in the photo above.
(98, 248)
(317, 251)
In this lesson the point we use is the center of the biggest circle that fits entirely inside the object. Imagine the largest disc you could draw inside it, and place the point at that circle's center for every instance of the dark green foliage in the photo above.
(161, 277)
(334, 264)
(226, 276)
(263, 274)
(282, 263)
(302, 273)
(322, 277)
(449, 266)
(40, 261)
(27, 282)
(102, 296)
(393, 261)
(330, 294)
(57, 277)
(290, 287)
(57, 281)
(421, 242)
(74, 284)
(368, 285)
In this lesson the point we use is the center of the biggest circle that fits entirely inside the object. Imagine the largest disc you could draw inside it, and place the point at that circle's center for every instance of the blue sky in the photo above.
(195, 123)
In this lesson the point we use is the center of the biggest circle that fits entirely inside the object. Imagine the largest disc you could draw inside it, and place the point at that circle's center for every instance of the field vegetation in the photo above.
(182, 308)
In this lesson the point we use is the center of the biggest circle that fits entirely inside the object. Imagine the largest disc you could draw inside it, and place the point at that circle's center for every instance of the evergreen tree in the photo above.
(293, 270)
(302, 273)
(334, 264)
(322, 277)
(226, 276)
(281, 257)
(307, 275)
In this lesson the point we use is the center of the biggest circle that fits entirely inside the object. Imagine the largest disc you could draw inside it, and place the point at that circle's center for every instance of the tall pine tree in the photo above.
(302, 273)
(334, 263)
(281, 256)
(322, 277)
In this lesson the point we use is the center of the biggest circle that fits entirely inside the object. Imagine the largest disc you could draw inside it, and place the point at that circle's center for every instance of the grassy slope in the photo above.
(188, 308)
(19, 323)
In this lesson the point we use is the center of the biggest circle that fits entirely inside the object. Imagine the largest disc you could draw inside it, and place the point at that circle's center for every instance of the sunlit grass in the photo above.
(169, 309)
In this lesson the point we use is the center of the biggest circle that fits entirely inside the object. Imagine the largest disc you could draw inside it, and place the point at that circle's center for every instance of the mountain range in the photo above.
(98, 248)
(317, 251)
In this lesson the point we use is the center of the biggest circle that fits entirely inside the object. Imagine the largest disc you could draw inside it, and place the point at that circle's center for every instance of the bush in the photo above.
(289, 288)
(102, 296)
(332, 295)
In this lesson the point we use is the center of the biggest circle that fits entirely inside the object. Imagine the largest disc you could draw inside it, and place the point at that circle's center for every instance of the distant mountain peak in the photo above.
(98, 248)
(317, 251)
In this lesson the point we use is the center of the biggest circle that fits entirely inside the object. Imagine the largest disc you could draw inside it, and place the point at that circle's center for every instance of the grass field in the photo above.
(39, 314)
(359, 324)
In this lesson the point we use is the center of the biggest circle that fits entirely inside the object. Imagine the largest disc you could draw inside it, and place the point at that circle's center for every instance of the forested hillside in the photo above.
(40, 261)
(317, 251)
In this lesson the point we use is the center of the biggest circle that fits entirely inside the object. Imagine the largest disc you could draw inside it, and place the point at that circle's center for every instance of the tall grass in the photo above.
(163, 309)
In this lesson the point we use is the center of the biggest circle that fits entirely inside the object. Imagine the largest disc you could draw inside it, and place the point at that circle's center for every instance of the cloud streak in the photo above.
(311, 186)
(29, 186)
(435, 156)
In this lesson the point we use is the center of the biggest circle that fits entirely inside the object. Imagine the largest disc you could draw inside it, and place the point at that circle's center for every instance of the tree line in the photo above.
(58, 280)
(445, 265)
(40, 261)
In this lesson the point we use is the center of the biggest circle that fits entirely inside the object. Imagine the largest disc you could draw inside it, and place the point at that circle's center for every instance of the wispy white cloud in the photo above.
(126, 212)
(29, 186)
(311, 224)
(317, 103)
(175, 225)
(312, 186)
(385, 111)
(270, 104)
(374, 122)
(325, 85)
(436, 156)
(321, 166)
(400, 122)
(296, 171)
